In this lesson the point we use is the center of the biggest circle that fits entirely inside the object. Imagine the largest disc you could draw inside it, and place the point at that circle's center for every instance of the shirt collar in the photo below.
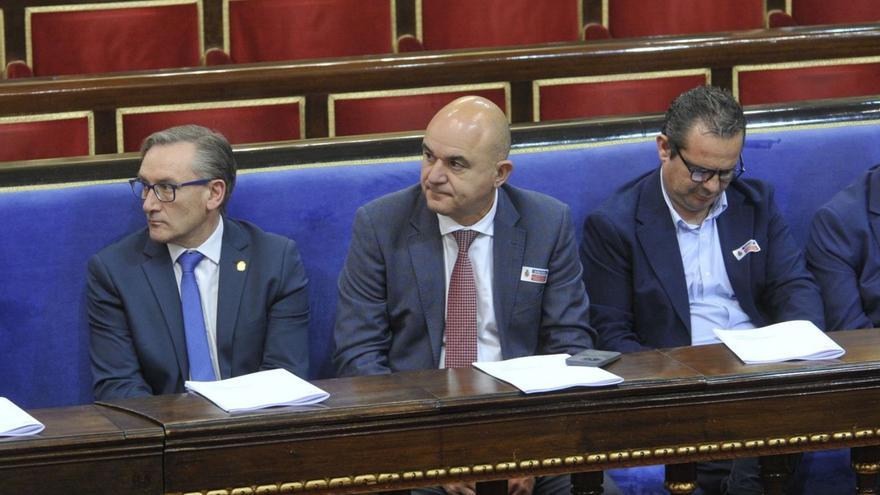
(210, 248)
(485, 225)
(715, 210)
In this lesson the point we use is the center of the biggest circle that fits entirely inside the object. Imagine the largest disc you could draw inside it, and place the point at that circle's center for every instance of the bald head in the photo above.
(480, 121)
(465, 158)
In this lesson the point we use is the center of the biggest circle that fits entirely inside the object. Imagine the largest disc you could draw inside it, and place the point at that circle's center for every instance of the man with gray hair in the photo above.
(195, 295)
(690, 247)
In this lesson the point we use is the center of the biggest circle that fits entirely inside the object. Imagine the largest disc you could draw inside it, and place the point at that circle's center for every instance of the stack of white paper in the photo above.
(277, 387)
(14, 422)
(545, 373)
(787, 341)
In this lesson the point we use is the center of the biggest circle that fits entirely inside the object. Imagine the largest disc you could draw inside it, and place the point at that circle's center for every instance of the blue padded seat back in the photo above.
(50, 233)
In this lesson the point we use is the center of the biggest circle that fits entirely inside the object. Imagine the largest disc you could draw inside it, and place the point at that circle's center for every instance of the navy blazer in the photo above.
(138, 346)
(843, 252)
(392, 289)
(635, 277)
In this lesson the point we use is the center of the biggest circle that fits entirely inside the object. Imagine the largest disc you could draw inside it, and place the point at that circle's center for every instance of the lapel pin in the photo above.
(241, 266)
(749, 247)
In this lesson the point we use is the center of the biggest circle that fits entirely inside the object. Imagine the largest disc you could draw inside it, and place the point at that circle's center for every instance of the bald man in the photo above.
(400, 292)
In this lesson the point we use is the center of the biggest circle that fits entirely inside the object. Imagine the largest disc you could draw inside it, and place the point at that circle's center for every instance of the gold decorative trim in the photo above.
(440, 475)
(391, 93)
(866, 467)
(708, 448)
(680, 486)
(419, 25)
(605, 16)
(636, 76)
(225, 20)
(802, 64)
(28, 11)
(580, 19)
(788, 9)
(2, 44)
(46, 117)
(393, 5)
(256, 102)
(483, 469)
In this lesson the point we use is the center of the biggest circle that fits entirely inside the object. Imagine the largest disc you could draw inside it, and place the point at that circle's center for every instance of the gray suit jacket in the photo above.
(392, 290)
(138, 345)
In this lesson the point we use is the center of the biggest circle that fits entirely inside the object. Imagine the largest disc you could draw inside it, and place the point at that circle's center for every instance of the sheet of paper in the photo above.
(787, 341)
(15, 422)
(277, 387)
(545, 373)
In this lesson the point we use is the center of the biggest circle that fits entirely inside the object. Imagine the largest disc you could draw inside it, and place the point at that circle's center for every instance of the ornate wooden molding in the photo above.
(580, 462)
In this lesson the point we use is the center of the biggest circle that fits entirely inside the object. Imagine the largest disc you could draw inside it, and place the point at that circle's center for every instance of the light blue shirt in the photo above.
(713, 303)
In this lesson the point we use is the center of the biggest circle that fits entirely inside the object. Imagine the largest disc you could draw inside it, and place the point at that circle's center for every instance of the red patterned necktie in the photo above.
(461, 306)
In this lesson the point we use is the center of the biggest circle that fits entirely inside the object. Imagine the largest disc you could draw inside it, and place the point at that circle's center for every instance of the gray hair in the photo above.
(213, 160)
(713, 107)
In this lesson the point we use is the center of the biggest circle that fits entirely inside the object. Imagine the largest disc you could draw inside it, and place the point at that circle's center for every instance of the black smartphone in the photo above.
(593, 357)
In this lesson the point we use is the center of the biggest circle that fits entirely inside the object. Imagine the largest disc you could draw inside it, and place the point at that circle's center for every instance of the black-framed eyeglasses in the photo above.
(702, 174)
(164, 191)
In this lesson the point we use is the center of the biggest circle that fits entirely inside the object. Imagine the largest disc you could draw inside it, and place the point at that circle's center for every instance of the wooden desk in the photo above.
(422, 428)
(84, 449)
(400, 431)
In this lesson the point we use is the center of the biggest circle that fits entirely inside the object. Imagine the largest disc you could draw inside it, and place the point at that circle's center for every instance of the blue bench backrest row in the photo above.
(50, 232)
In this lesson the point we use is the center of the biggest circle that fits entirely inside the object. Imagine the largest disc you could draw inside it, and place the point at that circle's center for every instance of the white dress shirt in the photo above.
(480, 254)
(207, 274)
(713, 304)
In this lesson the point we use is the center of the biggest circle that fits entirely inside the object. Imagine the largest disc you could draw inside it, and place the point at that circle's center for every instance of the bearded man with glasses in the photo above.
(691, 247)
(195, 295)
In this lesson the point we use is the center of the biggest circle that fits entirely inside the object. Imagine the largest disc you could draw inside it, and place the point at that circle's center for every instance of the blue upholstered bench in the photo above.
(49, 232)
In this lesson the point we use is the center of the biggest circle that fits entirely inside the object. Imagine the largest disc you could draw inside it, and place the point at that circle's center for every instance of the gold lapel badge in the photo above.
(241, 266)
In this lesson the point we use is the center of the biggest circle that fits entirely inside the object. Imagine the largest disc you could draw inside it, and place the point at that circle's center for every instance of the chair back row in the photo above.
(82, 38)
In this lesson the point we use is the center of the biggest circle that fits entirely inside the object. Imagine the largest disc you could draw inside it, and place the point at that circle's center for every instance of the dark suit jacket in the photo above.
(392, 289)
(843, 252)
(138, 345)
(635, 278)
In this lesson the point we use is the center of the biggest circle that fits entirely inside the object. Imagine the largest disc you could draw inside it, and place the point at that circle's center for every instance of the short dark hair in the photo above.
(713, 107)
(214, 159)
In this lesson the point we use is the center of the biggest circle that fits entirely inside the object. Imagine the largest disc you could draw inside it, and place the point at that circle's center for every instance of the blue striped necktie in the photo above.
(200, 367)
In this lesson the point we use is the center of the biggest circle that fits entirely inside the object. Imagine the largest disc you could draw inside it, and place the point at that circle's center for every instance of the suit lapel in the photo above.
(160, 275)
(233, 253)
(426, 254)
(508, 251)
(735, 228)
(656, 236)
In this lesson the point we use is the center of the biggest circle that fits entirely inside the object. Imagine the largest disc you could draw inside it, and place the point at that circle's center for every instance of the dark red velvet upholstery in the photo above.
(589, 97)
(269, 30)
(250, 122)
(793, 83)
(46, 136)
(18, 69)
(82, 41)
(393, 111)
(632, 18)
(807, 12)
(448, 24)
